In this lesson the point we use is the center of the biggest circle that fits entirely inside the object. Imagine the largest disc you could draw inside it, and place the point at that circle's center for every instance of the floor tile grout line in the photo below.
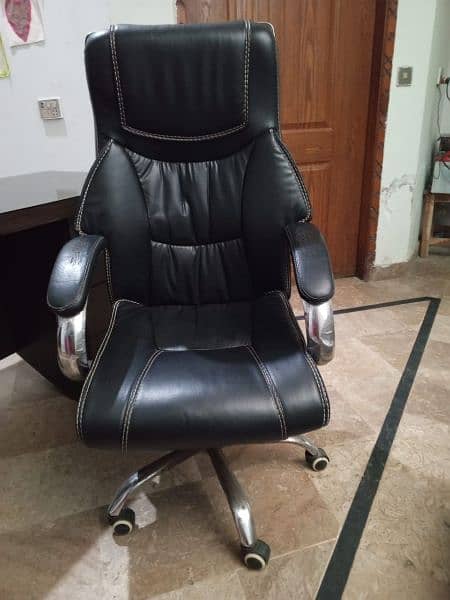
(340, 564)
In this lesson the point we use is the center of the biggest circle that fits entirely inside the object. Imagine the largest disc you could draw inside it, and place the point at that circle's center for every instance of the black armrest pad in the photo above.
(312, 267)
(69, 282)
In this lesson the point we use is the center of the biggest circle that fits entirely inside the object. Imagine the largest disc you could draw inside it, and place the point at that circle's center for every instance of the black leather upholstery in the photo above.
(192, 191)
(201, 376)
(312, 268)
(183, 81)
(69, 282)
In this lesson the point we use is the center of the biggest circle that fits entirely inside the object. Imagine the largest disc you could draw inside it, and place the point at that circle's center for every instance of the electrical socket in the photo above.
(50, 108)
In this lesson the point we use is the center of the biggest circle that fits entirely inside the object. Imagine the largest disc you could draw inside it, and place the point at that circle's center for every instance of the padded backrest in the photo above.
(192, 186)
(159, 90)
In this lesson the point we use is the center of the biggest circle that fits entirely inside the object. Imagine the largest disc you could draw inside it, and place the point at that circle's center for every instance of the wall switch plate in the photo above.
(404, 76)
(50, 108)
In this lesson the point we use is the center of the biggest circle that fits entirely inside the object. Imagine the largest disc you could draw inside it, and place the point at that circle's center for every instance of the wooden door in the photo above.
(325, 56)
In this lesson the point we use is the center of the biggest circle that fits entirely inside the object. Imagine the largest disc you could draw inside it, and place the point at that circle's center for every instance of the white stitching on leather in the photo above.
(319, 383)
(108, 274)
(297, 176)
(294, 327)
(112, 42)
(238, 239)
(272, 390)
(288, 269)
(87, 383)
(178, 138)
(246, 68)
(317, 377)
(132, 400)
(277, 76)
(88, 185)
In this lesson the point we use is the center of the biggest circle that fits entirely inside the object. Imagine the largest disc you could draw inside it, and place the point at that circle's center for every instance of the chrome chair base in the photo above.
(255, 553)
(145, 474)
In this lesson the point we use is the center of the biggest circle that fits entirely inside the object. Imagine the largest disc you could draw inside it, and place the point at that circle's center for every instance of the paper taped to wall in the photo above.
(23, 21)
(4, 67)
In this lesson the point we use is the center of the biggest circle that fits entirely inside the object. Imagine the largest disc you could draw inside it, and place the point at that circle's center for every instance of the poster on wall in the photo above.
(23, 21)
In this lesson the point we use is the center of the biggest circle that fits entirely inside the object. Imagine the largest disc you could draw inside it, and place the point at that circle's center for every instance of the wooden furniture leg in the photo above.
(427, 224)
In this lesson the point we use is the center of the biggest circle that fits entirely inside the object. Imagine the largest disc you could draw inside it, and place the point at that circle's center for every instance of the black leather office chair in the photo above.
(198, 207)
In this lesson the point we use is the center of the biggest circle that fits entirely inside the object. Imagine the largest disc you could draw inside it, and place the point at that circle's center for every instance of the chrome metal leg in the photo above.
(146, 474)
(304, 442)
(239, 505)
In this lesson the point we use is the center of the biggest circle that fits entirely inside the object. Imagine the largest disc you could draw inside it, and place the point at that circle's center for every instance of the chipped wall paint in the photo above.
(394, 220)
(422, 42)
(404, 184)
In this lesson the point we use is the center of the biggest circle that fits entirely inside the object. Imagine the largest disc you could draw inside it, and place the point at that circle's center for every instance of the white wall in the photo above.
(156, 12)
(55, 68)
(422, 41)
(439, 56)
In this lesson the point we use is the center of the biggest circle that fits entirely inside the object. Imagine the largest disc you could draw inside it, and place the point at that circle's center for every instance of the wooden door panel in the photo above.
(317, 178)
(310, 145)
(325, 54)
(203, 11)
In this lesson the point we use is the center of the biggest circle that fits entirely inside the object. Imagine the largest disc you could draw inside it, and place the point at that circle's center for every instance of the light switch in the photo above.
(404, 76)
(50, 108)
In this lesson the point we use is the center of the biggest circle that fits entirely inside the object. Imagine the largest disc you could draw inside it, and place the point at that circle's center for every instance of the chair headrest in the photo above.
(183, 83)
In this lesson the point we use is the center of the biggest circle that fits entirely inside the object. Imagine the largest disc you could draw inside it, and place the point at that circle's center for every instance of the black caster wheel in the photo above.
(257, 556)
(124, 522)
(318, 462)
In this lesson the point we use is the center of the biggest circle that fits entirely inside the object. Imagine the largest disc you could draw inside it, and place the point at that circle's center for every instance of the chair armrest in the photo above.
(68, 287)
(67, 296)
(315, 283)
(312, 267)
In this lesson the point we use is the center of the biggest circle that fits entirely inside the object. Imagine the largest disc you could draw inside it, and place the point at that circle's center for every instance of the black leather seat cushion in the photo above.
(210, 375)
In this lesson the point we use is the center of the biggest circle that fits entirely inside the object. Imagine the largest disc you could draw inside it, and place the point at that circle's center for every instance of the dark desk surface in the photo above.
(36, 213)
(34, 199)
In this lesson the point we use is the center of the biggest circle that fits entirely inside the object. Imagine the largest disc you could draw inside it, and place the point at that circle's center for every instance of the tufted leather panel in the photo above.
(216, 272)
(210, 376)
(193, 202)
(196, 232)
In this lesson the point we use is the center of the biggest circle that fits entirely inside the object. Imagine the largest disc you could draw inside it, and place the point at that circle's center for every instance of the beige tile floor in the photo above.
(53, 491)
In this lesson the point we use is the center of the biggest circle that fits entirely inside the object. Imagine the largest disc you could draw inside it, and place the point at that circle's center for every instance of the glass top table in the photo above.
(34, 199)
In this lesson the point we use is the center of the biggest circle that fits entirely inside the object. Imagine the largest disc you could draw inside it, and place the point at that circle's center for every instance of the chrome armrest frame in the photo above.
(71, 345)
(319, 321)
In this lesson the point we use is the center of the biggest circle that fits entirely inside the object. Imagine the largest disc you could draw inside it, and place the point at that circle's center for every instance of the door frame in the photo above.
(380, 80)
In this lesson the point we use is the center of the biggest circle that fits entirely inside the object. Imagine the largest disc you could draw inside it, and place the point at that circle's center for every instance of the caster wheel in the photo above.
(124, 522)
(257, 556)
(319, 462)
